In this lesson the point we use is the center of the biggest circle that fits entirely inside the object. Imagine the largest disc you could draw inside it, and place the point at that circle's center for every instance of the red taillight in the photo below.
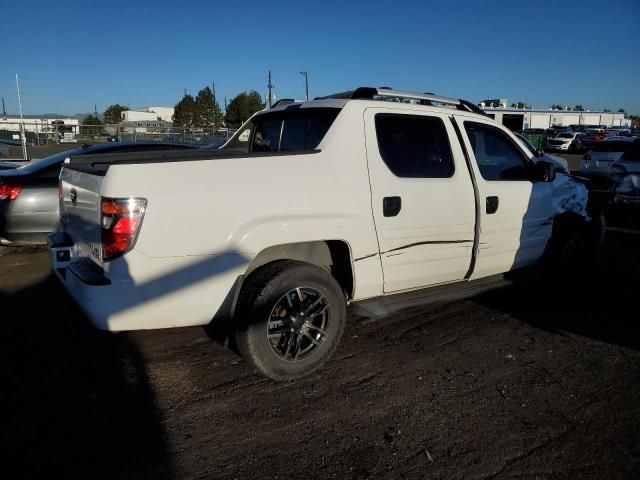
(121, 219)
(8, 191)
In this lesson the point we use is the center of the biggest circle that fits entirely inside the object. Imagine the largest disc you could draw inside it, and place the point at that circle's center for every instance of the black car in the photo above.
(29, 208)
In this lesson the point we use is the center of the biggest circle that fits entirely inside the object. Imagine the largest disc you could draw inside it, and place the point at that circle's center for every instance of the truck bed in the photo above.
(98, 164)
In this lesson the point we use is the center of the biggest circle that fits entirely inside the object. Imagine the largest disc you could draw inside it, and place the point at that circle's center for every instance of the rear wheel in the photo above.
(292, 316)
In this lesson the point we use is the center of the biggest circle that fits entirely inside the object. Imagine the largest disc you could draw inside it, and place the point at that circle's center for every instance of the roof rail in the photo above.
(283, 101)
(386, 93)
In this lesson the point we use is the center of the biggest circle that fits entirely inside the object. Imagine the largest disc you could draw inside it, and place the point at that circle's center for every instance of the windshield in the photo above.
(614, 146)
(49, 161)
(565, 135)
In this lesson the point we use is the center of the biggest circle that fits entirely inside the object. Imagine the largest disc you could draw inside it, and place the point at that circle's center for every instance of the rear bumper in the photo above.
(563, 147)
(25, 228)
(136, 292)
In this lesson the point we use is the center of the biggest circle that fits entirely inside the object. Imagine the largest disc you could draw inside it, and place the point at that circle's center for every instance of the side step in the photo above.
(384, 305)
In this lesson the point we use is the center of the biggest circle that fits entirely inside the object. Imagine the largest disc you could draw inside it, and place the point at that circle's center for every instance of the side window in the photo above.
(414, 146)
(497, 156)
(266, 137)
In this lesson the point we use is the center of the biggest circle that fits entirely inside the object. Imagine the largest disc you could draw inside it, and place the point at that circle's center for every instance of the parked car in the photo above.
(29, 209)
(565, 142)
(533, 131)
(214, 145)
(598, 161)
(623, 131)
(561, 163)
(626, 174)
(591, 137)
(307, 208)
(7, 165)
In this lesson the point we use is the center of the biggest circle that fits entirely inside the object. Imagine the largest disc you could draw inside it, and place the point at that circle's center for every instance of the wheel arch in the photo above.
(332, 255)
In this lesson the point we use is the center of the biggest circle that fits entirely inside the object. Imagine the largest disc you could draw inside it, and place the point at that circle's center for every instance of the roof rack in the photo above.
(386, 93)
(283, 101)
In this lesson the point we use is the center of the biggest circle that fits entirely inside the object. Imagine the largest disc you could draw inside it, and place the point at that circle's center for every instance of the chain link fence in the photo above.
(40, 132)
(166, 134)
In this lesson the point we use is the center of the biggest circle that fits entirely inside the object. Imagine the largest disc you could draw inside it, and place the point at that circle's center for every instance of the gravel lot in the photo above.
(526, 382)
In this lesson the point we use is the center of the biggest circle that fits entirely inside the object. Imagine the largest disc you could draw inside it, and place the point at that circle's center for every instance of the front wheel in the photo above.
(292, 317)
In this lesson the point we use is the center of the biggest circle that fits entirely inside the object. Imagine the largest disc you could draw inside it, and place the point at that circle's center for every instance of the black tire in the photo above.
(572, 252)
(268, 306)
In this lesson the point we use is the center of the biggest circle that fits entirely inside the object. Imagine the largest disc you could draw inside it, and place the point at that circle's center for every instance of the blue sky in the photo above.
(72, 55)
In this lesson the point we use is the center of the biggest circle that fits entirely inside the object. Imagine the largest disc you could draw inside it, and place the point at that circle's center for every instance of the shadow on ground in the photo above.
(74, 402)
(599, 305)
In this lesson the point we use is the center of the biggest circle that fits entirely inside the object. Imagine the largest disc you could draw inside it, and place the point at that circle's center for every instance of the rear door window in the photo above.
(414, 146)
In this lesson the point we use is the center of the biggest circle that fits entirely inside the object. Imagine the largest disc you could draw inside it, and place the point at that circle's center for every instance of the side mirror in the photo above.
(543, 172)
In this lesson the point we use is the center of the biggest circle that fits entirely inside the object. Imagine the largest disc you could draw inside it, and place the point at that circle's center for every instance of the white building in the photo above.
(39, 125)
(519, 119)
(148, 114)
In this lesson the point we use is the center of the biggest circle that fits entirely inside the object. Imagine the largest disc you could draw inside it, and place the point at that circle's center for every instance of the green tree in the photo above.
(113, 113)
(579, 108)
(556, 107)
(207, 111)
(606, 110)
(242, 106)
(184, 112)
(519, 105)
(621, 110)
(91, 120)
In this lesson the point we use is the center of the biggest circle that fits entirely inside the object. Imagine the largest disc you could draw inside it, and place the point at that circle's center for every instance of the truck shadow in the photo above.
(599, 305)
(75, 402)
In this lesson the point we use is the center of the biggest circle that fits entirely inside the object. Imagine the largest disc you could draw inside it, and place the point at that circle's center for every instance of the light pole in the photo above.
(306, 83)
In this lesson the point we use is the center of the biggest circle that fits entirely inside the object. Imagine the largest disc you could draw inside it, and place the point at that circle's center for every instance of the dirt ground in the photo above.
(526, 382)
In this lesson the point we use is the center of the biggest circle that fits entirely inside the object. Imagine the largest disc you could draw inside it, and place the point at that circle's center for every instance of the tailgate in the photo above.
(80, 211)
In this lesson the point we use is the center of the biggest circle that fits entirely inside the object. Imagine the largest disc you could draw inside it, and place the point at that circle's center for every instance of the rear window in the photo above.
(53, 160)
(284, 131)
(614, 146)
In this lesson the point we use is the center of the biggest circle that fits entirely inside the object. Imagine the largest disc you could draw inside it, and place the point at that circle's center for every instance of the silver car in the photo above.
(29, 208)
(626, 173)
(603, 154)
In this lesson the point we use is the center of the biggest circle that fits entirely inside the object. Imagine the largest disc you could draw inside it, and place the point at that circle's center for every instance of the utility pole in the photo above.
(95, 109)
(22, 134)
(4, 112)
(306, 83)
(270, 87)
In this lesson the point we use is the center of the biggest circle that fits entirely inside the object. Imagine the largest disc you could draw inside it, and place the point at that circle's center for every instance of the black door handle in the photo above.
(492, 205)
(391, 206)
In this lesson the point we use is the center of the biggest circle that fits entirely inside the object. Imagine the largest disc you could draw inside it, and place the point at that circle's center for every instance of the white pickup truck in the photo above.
(310, 207)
